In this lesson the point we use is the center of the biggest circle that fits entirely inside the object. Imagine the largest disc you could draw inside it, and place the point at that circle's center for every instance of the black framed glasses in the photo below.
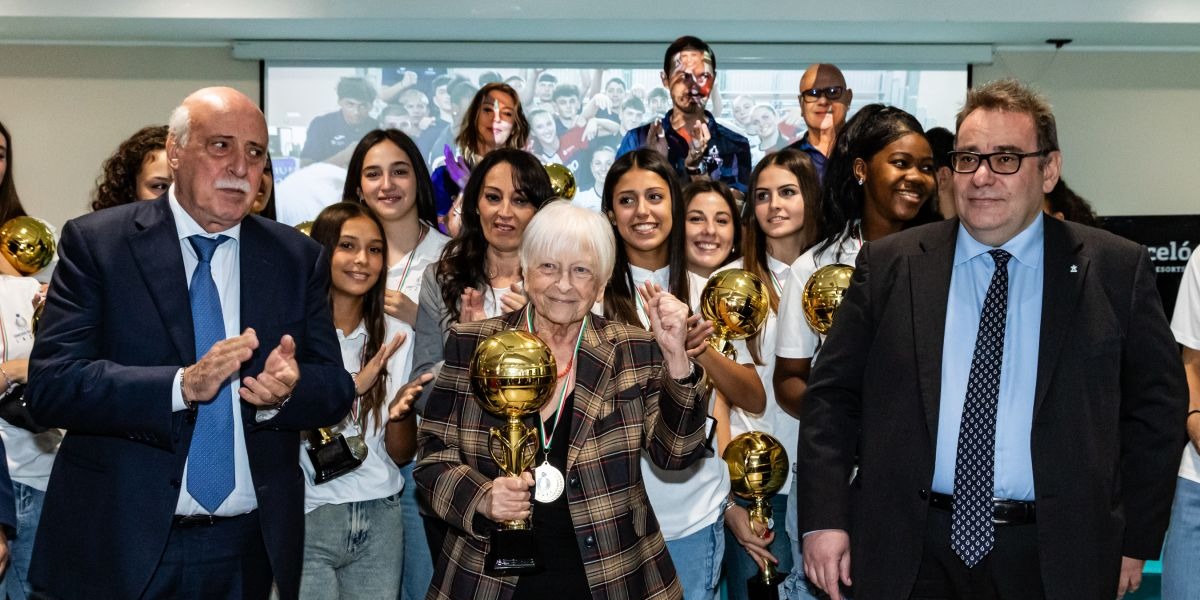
(1001, 163)
(832, 93)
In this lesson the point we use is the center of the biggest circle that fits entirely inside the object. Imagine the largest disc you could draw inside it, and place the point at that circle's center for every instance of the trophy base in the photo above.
(513, 551)
(757, 589)
(332, 459)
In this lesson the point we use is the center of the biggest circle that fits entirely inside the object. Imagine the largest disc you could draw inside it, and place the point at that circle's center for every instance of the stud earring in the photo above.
(861, 180)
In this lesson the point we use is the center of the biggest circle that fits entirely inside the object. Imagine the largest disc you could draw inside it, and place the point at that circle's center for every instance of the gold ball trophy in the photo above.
(27, 244)
(737, 303)
(562, 181)
(758, 468)
(514, 375)
(823, 294)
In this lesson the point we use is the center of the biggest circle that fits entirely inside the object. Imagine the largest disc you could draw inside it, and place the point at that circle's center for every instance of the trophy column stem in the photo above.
(517, 460)
(760, 512)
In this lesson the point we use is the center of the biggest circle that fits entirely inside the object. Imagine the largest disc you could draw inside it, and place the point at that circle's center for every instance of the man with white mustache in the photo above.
(185, 347)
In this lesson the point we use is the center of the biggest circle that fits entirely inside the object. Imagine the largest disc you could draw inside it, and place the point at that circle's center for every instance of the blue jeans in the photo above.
(353, 550)
(1180, 578)
(29, 511)
(697, 559)
(739, 566)
(418, 565)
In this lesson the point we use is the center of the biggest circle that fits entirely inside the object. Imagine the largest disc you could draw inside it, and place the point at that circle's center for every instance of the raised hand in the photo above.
(202, 380)
(514, 299)
(470, 306)
(699, 330)
(656, 138)
(668, 322)
(370, 371)
(700, 137)
(401, 405)
(278, 378)
(398, 305)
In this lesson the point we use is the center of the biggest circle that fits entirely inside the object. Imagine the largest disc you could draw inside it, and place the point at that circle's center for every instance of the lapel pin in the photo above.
(1074, 268)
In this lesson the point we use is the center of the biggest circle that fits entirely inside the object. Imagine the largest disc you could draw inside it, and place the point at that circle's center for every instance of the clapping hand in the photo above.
(202, 380)
(656, 138)
(278, 378)
(470, 306)
(370, 371)
(401, 405)
(514, 299)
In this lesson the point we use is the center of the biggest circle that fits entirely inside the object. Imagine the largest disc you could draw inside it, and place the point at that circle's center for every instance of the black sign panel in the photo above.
(1170, 239)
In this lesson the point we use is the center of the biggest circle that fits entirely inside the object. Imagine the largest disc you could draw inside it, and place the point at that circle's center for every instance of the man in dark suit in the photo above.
(183, 347)
(1008, 386)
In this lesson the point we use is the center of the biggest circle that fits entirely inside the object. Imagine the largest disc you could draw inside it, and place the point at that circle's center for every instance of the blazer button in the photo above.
(574, 481)
(589, 541)
(924, 494)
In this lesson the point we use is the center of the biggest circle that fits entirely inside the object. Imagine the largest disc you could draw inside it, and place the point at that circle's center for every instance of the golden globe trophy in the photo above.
(737, 303)
(823, 294)
(758, 468)
(562, 181)
(514, 374)
(27, 244)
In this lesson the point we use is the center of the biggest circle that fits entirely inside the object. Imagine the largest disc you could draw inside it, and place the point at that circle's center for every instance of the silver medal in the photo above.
(548, 483)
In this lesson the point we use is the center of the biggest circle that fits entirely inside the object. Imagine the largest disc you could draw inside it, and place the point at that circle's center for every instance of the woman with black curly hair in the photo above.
(137, 171)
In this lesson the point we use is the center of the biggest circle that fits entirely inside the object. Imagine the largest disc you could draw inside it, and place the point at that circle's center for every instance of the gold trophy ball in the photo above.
(27, 244)
(562, 181)
(758, 464)
(737, 303)
(305, 228)
(823, 294)
(514, 373)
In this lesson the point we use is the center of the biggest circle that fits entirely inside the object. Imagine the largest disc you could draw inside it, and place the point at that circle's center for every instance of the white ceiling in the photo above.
(1090, 23)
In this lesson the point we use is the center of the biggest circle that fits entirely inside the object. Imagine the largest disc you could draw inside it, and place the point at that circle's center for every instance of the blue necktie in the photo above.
(210, 476)
(972, 532)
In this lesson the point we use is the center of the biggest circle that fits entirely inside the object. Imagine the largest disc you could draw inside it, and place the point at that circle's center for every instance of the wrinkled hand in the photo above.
(1131, 576)
(202, 380)
(509, 499)
(398, 305)
(370, 371)
(757, 545)
(699, 331)
(514, 299)
(827, 560)
(668, 322)
(699, 146)
(401, 405)
(656, 138)
(470, 306)
(278, 378)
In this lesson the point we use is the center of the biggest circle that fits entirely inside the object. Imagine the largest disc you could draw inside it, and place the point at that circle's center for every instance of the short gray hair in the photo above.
(180, 124)
(560, 227)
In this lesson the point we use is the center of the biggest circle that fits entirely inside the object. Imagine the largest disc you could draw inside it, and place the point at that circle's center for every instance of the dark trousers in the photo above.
(224, 560)
(1011, 571)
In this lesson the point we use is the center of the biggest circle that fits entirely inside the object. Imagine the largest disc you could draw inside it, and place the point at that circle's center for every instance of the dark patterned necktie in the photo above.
(972, 533)
(210, 476)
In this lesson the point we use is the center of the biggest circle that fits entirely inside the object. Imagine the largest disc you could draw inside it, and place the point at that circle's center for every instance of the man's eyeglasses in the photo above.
(831, 93)
(1001, 163)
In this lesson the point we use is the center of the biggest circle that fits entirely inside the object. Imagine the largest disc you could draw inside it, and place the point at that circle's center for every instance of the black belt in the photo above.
(186, 521)
(1004, 512)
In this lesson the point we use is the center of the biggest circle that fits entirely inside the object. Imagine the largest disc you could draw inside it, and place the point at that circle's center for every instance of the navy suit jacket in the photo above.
(116, 328)
(8, 508)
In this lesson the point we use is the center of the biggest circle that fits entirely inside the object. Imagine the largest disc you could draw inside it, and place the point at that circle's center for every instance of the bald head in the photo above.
(217, 146)
(824, 97)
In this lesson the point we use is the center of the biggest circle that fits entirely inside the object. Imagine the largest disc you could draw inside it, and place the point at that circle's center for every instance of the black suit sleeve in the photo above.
(832, 409)
(1154, 400)
(8, 507)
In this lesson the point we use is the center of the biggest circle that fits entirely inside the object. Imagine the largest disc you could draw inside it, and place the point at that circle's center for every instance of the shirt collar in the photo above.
(360, 331)
(1026, 247)
(659, 276)
(778, 267)
(186, 226)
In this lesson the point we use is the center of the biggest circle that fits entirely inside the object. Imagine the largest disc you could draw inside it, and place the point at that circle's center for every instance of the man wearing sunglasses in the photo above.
(1006, 384)
(824, 101)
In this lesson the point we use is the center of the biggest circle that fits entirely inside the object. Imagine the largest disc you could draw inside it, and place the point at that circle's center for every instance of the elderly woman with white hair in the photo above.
(621, 391)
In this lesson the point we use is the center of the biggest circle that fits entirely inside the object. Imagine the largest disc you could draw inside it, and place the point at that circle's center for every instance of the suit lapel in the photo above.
(1065, 269)
(592, 375)
(259, 294)
(929, 279)
(157, 253)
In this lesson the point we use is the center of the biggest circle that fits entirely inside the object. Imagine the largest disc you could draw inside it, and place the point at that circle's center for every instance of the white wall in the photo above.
(1128, 123)
(68, 107)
